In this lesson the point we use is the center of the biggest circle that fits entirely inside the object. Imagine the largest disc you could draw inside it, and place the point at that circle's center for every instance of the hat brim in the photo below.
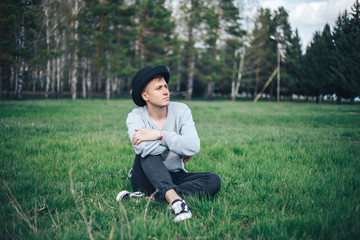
(142, 78)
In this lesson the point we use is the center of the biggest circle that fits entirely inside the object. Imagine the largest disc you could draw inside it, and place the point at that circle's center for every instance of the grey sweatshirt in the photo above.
(179, 135)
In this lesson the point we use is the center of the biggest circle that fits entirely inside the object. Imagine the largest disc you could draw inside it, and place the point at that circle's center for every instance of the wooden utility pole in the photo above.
(266, 84)
(278, 73)
(74, 73)
(99, 40)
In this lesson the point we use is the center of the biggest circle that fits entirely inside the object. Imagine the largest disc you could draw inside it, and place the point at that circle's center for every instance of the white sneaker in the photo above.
(181, 210)
(136, 196)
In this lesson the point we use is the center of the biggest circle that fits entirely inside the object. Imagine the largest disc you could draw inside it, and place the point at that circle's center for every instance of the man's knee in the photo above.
(215, 184)
(150, 160)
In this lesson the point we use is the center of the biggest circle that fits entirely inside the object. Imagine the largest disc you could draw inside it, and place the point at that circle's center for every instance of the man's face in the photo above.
(156, 93)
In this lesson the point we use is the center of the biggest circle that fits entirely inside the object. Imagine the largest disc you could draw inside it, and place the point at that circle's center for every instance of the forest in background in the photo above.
(87, 47)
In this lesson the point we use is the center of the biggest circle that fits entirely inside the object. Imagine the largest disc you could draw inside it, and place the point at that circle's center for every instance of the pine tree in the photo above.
(291, 73)
(354, 79)
(156, 33)
(262, 50)
(345, 79)
(233, 51)
(209, 66)
(192, 13)
(18, 26)
(222, 39)
(107, 31)
(122, 36)
(318, 61)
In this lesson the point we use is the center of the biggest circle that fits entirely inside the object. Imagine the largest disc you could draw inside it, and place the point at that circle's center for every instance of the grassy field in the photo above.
(289, 171)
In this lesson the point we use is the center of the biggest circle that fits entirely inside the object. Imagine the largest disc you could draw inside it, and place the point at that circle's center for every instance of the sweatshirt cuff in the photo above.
(165, 136)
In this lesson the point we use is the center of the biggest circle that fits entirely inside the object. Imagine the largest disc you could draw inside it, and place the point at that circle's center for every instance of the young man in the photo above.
(164, 138)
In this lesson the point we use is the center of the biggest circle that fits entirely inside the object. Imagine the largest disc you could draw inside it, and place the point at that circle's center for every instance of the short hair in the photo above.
(159, 76)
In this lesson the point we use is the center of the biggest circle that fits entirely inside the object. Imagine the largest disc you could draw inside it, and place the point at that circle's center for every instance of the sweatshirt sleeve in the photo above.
(135, 121)
(187, 142)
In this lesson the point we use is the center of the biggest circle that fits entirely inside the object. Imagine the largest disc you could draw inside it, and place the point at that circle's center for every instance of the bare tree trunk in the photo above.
(235, 85)
(47, 23)
(47, 75)
(89, 80)
(99, 79)
(108, 79)
(83, 80)
(62, 63)
(191, 55)
(209, 91)
(6, 77)
(233, 82)
(20, 80)
(13, 78)
(178, 84)
(67, 61)
(1, 81)
(257, 72)
(41, 78)
(241, 67)
(36, 71)
(99, 39)
(210, 85)
(34, 79)
(114, 86)
(11, 81)
(119, 85)
(58, 69)
(107, 87)
(58, 64)
(190, 76)
(53, 77)
(140, 50)
(75, 62)
(16, 76)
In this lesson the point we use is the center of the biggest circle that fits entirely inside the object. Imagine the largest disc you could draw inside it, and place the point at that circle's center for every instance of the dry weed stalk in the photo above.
(52, 219)
(147, 204)
(111, 235)
(146, 208)
(81, 210)
(19, 210)
(123, 210)
(187, 229)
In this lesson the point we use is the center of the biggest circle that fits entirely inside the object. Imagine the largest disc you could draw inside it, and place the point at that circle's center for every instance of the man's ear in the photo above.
(144, 96)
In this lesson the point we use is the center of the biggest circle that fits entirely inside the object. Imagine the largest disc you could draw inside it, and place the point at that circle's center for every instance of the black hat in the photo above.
(142, 77)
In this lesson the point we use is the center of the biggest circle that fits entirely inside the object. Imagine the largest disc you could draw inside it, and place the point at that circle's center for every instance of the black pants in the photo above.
(150, 174)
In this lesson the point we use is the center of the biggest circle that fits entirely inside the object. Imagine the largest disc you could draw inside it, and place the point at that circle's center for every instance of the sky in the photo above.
(309, 16)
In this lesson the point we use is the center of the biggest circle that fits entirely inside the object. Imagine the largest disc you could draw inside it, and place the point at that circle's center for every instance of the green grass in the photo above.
(289, 171)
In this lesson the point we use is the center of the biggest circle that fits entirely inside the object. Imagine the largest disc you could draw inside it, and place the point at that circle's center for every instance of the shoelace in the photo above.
(183, 206)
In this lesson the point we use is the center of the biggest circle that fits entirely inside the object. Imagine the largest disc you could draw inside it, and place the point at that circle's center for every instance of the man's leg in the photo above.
(196, 184)
(139, 181)
(150, 174)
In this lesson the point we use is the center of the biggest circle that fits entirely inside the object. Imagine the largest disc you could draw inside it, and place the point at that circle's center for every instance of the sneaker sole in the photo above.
(121, 195)
(135, 196)
(182, 217)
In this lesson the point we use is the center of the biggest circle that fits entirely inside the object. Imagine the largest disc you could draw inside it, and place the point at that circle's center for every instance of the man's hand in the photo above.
(185, 159)
(145, 134)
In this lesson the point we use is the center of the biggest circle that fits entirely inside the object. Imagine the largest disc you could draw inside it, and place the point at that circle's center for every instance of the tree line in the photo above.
(86, 47)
